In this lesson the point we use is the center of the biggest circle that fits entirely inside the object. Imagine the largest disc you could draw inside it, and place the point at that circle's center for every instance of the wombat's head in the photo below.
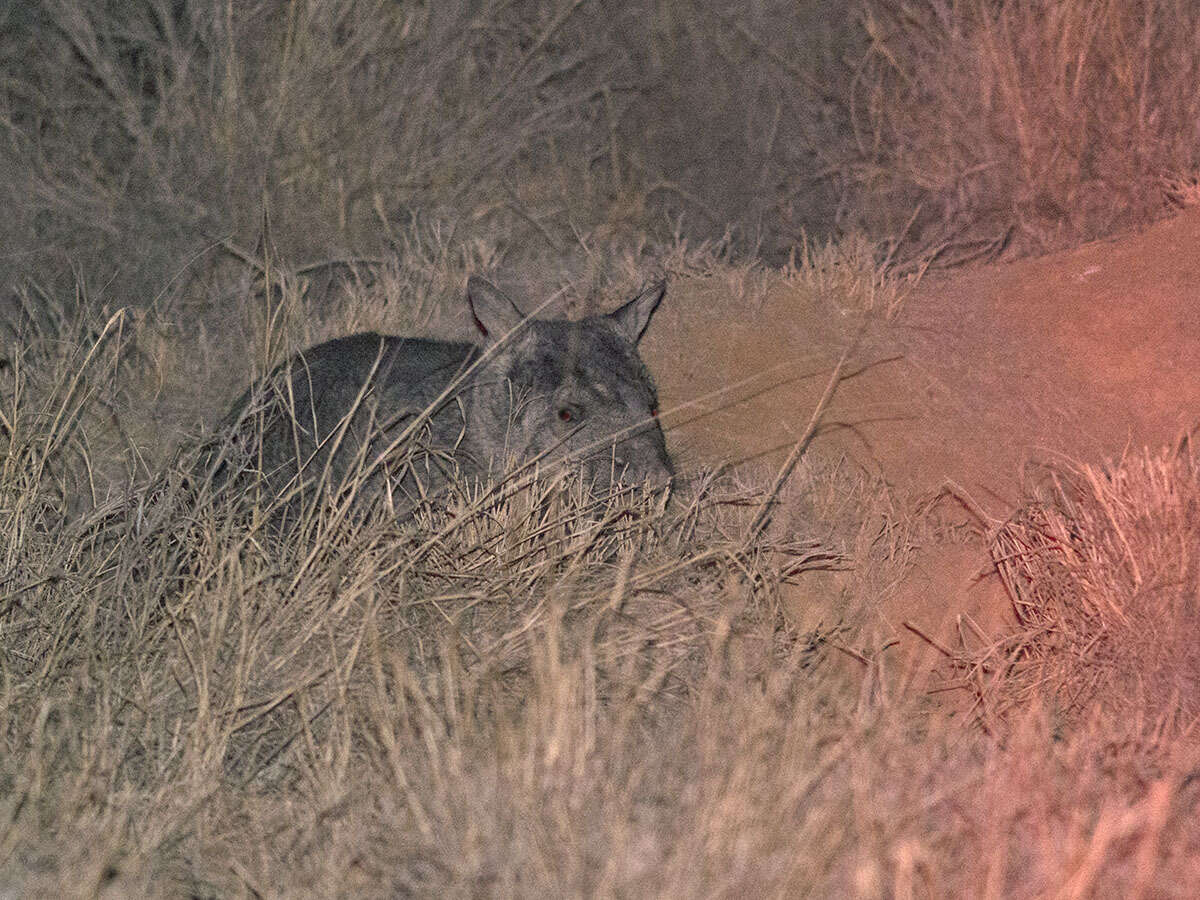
(577, 391)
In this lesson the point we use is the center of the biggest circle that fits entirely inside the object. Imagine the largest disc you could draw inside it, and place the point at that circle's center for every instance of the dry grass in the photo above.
(533, 691)
(149, 145)
(146, 140)
(848, 275)
(1100, 564)
(1030, 124)
(190, 668)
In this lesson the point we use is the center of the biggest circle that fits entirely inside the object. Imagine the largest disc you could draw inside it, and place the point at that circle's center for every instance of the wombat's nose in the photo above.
(661, 478)
(656, 476)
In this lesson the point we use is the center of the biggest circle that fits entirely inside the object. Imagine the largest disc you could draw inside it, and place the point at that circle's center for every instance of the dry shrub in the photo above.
(149, 143)
(144, 134)
(1033, 122)
(1101, 565)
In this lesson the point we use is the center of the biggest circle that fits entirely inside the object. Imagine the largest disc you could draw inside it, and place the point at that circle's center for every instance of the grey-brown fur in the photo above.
(426, 410)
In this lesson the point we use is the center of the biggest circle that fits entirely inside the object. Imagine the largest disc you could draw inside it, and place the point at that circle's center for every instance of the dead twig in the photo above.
(763, 518)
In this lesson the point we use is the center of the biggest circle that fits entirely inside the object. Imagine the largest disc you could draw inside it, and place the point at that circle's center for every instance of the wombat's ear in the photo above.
(494, 313)
(634, 316)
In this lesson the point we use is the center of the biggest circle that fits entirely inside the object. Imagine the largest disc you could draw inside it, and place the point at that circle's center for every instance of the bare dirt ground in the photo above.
(1085, 353)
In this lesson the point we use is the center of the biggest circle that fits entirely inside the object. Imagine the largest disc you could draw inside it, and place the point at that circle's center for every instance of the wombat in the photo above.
(405, 417)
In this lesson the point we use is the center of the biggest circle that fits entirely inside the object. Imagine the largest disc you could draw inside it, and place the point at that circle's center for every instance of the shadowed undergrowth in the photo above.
(150, 148)
(981, 126)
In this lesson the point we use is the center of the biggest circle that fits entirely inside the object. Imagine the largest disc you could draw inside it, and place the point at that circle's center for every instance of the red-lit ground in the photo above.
(1084, 353)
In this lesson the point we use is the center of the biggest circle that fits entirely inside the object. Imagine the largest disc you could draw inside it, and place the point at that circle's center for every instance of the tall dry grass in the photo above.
(1021, 123)
(151, 147)
(1100, 564)
(147, 139)
(531, 692)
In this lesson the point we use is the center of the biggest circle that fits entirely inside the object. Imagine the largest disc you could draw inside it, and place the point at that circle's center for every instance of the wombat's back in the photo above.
(403, 374)
(332, 411)
(406, 415)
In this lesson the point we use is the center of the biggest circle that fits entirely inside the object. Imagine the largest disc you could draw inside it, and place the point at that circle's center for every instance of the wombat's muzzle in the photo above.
(637, 461)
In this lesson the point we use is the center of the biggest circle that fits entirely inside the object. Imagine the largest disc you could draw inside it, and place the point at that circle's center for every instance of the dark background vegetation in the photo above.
(137, 135)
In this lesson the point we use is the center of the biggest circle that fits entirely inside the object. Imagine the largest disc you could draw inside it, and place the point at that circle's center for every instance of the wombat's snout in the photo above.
(659, 477)
(641, 461)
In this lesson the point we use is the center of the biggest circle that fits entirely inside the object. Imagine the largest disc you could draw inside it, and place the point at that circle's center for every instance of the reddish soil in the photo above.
(1084, 353)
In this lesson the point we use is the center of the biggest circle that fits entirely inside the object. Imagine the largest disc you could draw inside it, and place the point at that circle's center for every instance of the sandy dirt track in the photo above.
(1087, 353)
